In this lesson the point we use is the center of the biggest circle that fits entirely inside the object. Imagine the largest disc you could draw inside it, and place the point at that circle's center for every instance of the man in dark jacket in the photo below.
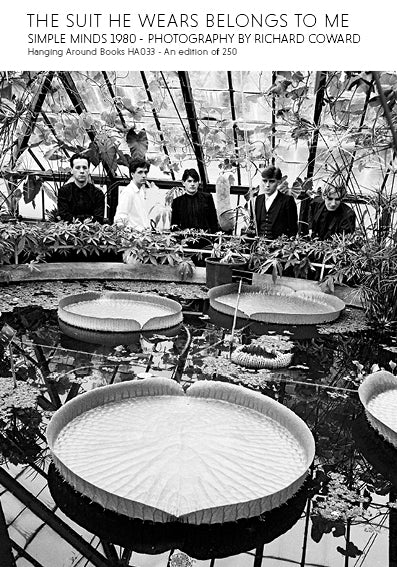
(331, 216)
(275, 212)
(79, 199)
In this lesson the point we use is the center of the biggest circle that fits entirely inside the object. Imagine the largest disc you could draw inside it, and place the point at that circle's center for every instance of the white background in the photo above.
(374, 22)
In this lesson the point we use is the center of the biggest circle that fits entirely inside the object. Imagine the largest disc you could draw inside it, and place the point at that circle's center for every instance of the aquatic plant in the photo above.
(180, 559)
(20, 421)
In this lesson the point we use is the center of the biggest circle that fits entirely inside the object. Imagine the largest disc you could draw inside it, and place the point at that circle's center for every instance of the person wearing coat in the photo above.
(194, 209)
(331, 215)
(275, 212)
(79, 199)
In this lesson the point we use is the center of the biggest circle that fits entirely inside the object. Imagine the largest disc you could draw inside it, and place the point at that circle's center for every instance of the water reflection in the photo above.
(110, 339)
(351, 463)
(381, 454)
(200, 542)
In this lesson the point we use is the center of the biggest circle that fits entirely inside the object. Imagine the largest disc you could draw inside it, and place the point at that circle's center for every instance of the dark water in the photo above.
(342, 516)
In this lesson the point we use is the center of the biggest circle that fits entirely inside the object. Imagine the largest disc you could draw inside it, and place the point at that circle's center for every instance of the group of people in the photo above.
(276, 213)
(273, 212)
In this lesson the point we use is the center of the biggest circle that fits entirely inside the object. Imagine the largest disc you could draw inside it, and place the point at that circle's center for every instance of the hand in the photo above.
(151, 185)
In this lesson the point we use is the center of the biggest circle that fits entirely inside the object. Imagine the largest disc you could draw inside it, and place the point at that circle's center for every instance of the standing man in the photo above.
(79, 199)
(275, 212)
(132, 209)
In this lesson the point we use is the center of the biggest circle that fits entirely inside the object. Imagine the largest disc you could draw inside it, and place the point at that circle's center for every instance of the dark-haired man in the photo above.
(275, 212)
(79, 199)
(132, 208)
(194, 209)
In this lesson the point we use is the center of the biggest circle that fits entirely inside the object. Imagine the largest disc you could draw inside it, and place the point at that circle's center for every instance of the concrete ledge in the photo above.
(144, 272)
(95, 271)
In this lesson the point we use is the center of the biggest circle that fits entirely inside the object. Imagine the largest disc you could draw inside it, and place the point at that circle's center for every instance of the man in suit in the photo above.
(275, 212)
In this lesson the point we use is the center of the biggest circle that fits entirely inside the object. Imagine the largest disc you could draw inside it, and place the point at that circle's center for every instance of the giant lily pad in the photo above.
(276, 304)
(378, 394)
(148, 450)
(121, 312)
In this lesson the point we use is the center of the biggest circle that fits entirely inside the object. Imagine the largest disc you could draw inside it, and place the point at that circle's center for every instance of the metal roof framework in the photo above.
(250, 113)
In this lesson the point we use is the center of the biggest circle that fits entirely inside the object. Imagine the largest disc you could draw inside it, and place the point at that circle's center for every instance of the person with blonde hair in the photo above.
(331, 215)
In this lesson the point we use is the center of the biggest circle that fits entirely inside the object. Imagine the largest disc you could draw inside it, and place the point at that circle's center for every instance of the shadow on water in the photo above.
(381, 454)
(109, 339)
(198, 541)
(257, 328)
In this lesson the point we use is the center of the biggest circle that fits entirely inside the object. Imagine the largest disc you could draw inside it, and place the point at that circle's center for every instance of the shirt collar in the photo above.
(270, 198)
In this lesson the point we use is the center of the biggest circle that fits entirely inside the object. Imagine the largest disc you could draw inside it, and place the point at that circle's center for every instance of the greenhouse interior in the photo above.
(198, 307)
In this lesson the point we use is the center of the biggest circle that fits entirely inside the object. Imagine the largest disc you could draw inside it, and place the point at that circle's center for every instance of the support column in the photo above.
(321, 80)
(193, 124)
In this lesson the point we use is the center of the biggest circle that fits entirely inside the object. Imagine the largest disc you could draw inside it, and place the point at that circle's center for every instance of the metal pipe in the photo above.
(48, 516)
(193, 124)
(386, 108)
(5, 543)
(321, 82)
(234, 118)
(273, 138)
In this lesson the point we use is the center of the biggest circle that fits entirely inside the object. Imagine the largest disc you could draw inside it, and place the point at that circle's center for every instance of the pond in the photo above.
(344, 515)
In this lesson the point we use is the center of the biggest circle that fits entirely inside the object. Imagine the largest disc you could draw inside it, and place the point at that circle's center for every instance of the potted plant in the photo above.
(227, 254)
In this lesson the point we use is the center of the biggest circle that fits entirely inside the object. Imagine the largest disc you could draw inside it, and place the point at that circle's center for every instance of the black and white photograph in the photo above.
(198, 295)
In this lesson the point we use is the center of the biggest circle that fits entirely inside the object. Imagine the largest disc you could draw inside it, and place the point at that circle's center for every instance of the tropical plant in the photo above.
(288, 256)
(370, 264)
(159, 249)
(22, 242)
(231, 249)
(355, 259)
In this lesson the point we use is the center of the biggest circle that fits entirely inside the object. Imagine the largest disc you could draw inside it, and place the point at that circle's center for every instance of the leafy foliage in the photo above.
(22, 242)
(138, 143)
(368, 263)
(19, 421)
(229, 250)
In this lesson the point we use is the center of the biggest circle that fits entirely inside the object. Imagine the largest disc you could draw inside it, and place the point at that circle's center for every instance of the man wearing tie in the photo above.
(275, 212)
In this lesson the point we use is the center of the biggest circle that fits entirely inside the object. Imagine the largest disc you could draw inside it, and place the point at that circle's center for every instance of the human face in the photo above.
(332, 200)
(80, 172)
(269, 186)
(191, 186)
(139, 177)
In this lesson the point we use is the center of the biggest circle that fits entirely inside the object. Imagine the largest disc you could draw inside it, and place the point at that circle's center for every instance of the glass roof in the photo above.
(310, 123)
